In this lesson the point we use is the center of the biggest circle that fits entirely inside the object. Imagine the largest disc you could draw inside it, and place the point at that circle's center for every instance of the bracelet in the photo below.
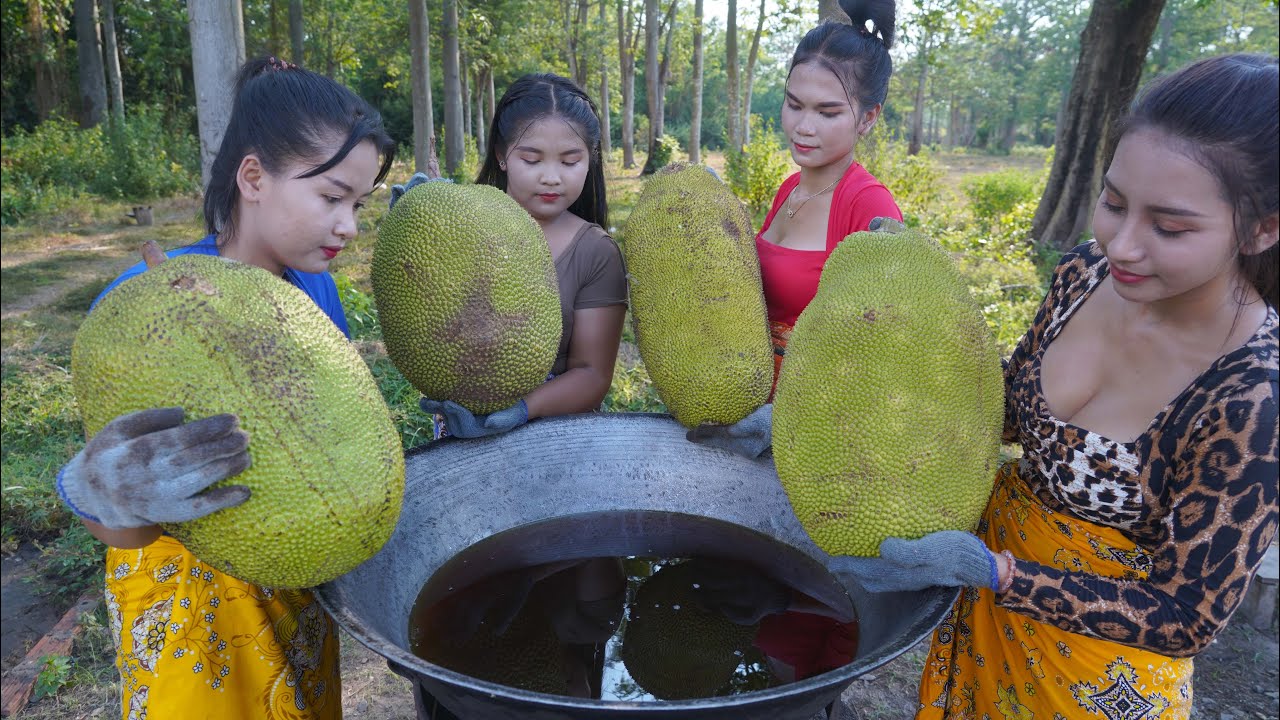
(1013, 570)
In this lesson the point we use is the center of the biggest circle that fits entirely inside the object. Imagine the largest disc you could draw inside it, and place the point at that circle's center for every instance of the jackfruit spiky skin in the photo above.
(696, 299)
(528, 655)
(674, 649)
(890, 404)
(467, 295)
(216, 336)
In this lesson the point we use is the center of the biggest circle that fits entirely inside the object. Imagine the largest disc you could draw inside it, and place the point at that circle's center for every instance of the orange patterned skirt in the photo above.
(988, 662)
(192, 642)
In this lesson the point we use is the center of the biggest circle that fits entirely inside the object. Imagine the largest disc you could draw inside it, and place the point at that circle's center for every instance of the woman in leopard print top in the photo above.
(1145, 401)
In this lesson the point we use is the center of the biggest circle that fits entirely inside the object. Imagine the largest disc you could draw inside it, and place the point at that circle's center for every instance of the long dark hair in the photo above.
(283, 114)
(532, 98)
(1225, 111)
(858, 54)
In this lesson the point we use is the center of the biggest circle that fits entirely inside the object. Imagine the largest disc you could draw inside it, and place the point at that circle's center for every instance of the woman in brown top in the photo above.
(544, 151)
(1144, 399)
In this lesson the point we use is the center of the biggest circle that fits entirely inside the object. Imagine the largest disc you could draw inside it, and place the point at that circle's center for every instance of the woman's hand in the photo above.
(750, 436)
(148, 467)
(463, 423)
(948, 558)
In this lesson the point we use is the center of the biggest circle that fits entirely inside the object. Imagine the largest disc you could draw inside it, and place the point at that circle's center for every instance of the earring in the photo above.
(502, 166)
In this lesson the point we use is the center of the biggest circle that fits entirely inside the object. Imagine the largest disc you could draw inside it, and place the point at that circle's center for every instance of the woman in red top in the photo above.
(835, 90)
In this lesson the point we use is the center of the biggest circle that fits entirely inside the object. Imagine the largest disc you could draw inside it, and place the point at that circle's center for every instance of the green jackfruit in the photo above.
(467, 295)
(216, 336)
(696, 298)
(527, 655)
(890, 403)
(674, 649)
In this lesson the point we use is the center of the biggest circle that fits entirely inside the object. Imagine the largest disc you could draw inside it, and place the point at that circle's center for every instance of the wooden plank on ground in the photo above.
(20, 681)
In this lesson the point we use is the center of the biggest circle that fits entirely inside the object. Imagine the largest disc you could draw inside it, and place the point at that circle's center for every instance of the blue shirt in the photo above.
(318, 286)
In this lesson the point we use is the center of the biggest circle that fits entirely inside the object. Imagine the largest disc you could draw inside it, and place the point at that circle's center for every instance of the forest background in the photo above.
(984, 140)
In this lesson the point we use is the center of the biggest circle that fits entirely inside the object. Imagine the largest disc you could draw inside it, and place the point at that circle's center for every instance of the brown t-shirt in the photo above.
(591, 275)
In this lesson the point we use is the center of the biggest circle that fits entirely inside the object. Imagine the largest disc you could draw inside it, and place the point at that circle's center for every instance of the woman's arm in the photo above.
(126, 539)
(593, 349)
(1222, 486)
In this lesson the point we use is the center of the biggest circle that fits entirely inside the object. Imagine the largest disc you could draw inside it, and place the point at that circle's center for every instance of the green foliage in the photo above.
(632, 391)
(665, 148)
(144, 160)
(55, 670)
(914, 180)
(57, 165)
(359, 308)
(755, 172)
(994, 195)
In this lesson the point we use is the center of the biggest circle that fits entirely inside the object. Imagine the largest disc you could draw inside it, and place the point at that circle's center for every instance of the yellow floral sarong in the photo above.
(192, 642)
(989, 662)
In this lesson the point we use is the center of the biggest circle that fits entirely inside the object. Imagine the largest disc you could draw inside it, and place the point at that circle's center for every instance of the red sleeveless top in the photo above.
(790, 276)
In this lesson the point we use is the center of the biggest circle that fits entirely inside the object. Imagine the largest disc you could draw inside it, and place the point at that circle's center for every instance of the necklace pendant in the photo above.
(790, 213)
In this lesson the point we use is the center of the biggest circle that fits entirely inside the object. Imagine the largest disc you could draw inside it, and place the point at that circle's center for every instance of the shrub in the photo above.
(53, 167)
(665, 149)
(755, 172)
(994, 195)
(914, 180)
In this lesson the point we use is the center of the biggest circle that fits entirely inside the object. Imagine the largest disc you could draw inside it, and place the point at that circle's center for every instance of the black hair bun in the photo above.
(880, 14)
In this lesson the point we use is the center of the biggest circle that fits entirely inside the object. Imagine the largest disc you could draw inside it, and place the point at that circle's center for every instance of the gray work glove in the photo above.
(147, 467)
(418, 178)
(949, 558)
(750, 436)
(462, 423)
(884, 224)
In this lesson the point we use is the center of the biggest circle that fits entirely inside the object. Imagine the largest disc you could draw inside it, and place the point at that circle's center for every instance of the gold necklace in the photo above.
(792, 212)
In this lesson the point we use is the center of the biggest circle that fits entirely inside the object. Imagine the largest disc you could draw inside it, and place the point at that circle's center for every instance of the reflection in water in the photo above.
(630, 629)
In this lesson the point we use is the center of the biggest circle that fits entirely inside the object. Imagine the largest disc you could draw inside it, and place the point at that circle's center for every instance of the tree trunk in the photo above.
(695, 124)
(731, 69)
(464, 76)
(953, 122)
(651, 77)
(667, 32)
(274, 39)
(297, 43)
(477, 115)
(454, 130)
(570, 37)
(830, 10)
(420, 49)
(491, 100)
(752, 56)
(1009, 133)
(1113, 48)
(113, 58)
(917, 115)
(584, 71)
(48, 96)
(606, 144)
(627, 65)
(93, 80)
(217, 52)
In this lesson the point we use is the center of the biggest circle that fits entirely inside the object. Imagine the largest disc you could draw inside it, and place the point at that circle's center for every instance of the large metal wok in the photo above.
(656, 494)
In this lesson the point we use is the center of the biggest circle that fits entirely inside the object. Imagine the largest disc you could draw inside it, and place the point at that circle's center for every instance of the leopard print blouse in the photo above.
(1197, 491)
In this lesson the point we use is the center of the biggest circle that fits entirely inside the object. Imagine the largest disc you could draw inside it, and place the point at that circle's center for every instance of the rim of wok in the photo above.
(938, 606)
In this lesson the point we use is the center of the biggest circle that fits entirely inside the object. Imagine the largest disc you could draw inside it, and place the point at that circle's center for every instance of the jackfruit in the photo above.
(674, 649)
(467, 295)
(890, 404)
(696, 300)
(527, 655)
(216, 336)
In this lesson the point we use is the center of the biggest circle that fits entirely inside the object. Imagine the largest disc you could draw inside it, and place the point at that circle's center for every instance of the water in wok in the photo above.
(605, 485)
